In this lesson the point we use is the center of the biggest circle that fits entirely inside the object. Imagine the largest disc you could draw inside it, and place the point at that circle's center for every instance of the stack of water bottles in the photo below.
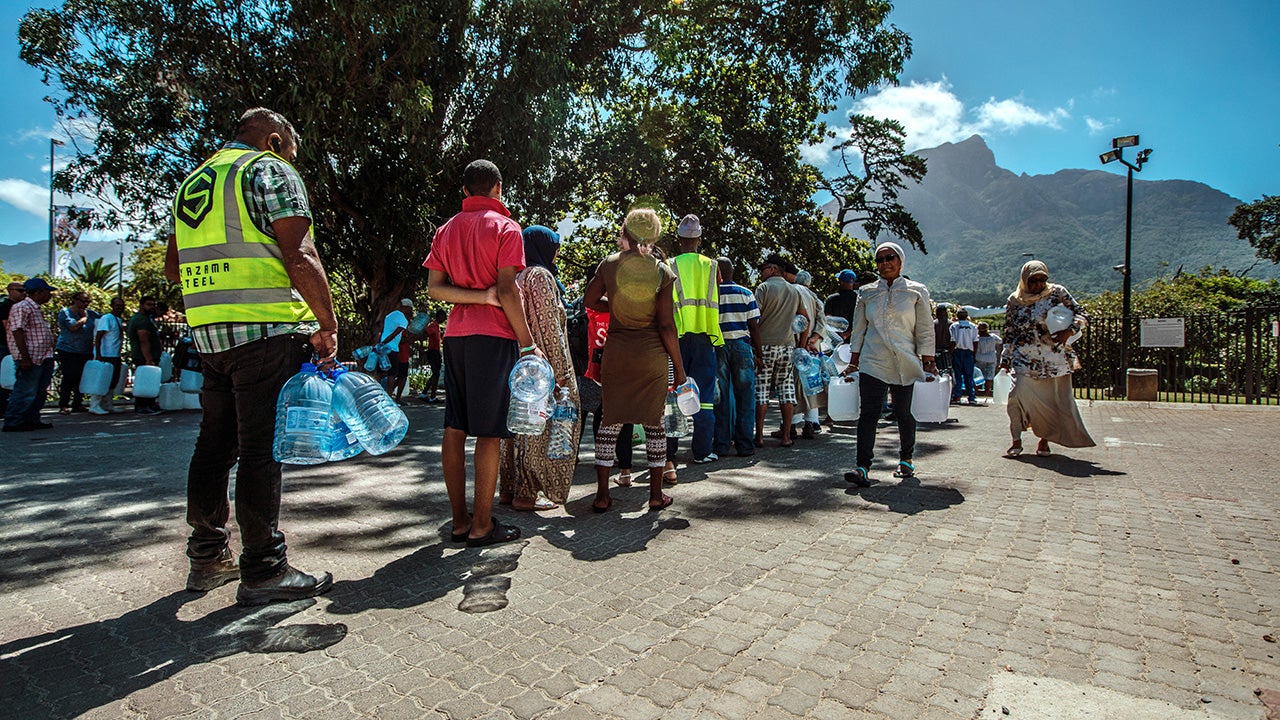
(810, 368)
(530, 381)
(373, 357)
(330, 416)
(564, 422)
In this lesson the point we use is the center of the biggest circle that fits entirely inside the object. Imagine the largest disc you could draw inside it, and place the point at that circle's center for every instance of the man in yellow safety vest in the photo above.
(259, 306)
(697, 307)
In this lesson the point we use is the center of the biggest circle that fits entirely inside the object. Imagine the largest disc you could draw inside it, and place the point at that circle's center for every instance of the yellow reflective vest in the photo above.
(230, 270)
(697, 296)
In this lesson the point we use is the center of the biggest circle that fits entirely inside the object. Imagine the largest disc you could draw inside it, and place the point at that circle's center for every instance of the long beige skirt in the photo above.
(1048, 408)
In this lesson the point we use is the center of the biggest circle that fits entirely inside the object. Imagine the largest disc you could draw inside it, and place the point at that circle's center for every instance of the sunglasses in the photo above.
(886, 258)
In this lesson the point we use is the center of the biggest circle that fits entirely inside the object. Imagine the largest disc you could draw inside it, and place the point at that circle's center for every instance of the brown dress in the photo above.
(526, 469)
(634, 367)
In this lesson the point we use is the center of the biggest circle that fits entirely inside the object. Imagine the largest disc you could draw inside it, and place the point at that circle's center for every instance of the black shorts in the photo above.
(399, 368)
(476, 368)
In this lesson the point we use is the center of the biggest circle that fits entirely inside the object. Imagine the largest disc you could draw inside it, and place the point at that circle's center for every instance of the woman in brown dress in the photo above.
(635, 289)
(526, 469)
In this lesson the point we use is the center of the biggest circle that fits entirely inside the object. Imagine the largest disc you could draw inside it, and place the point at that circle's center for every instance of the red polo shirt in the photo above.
(470, 249)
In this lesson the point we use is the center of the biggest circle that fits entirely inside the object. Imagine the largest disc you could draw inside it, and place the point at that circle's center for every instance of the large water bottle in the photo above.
(418, 325)
(810, 371)
(8, 372)
(687, 397)
(531, 379)
(343, 443)
(564, 421)
(302, 419)
(1001, 386)
(528, 417)
(799, 323)
(674, 422)
(368, 410)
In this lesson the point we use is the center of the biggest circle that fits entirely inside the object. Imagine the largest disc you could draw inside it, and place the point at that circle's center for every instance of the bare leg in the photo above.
(761, 410)
(602, 487)
(788, 411)
(488, 454)
(453, 459)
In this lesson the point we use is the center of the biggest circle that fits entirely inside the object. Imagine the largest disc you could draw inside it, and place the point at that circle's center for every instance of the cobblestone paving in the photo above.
(1144, 568)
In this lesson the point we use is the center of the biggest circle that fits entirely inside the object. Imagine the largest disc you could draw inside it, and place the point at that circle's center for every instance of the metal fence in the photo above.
(1229, 357)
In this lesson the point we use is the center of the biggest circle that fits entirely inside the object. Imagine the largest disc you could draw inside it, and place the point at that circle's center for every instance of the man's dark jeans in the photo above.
(30, 388)
(962, 374)
(239, 396)
(72, 364)
(871, 392)
(736, 397)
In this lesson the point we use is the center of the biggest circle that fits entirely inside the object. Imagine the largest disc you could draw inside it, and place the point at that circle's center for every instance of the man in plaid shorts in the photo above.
(779, 302)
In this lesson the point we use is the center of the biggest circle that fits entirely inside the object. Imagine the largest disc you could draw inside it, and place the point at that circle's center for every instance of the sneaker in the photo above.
(291, 584)
(708, 459)
(215, 575)
(808, 432)
(97, 408)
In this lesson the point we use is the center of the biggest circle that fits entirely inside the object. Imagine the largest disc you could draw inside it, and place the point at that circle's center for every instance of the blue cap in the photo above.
(847, 275)
(36, 283)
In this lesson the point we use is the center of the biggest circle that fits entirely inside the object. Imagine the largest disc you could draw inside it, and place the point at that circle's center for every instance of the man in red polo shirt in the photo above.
(473, 264)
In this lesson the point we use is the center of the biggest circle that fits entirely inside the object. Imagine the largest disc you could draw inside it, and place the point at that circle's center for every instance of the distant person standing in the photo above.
(779, 302)
(431, 392)
(73, 349)
(737, 363)
(31, 344)
(144, 348)
(108, 341)
(842, 302)
(697, 311)
(809, 405)
(963, 338)
(267, 310)
(395, 328)
(14, 294)
(942, 338)
(986, 354)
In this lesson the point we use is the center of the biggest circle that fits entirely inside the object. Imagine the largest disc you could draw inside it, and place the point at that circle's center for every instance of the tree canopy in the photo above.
(584, 106)
(1259, 223)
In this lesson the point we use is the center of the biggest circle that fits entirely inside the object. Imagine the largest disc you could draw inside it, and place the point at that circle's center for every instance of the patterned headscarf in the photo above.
(1024, 296)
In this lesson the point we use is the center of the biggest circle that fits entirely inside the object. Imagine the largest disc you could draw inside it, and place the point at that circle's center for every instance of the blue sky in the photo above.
(1046, 84)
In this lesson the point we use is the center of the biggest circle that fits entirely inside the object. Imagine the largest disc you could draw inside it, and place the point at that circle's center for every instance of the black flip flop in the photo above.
(499, 534)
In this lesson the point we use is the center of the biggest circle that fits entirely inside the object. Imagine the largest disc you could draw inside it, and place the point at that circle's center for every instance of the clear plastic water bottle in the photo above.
(829, 369)
(528, 417)
(343, 443)
(799, 323)
(674, 422)
(531, 379)
(564, 420)
(810, 371)
(368, 411)
(418, 325)
(302, 419)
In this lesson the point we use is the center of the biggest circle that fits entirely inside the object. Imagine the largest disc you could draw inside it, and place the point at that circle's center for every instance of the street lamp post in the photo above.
(1117, 153)
(53, 253)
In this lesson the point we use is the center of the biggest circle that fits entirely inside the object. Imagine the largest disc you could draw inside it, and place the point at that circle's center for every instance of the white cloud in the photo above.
(27, 197)
(817, 155)
(1097, 126)
(932, 114)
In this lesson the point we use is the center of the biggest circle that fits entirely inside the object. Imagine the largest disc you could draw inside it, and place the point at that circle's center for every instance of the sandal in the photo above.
(1013, 451)
(498, 534)
(905, 469)
(624, 479)
(858, 476)
(597, 509)
(669, 475)
(1044, 451)
(666, 503)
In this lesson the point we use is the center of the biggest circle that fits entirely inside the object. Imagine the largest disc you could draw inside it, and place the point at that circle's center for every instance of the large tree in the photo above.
(1259, 223)
(583, 105)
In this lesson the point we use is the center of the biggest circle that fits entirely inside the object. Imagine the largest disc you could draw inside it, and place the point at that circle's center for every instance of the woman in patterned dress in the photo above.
(526, 470)
(1042, 398)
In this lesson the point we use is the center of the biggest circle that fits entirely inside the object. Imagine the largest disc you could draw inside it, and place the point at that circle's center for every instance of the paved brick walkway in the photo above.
(1136, 579)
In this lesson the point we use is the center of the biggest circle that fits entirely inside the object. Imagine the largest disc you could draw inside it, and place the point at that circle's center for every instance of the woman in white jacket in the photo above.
(893, 345)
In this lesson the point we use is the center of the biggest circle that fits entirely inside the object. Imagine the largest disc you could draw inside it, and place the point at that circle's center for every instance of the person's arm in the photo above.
(666, 316)
(97, 344)
(440, 287)
(513, 308)
(802, 339)
(392, 336)
(857, 334)
(144, 344)
(926, 341)
(594, 296)
(20, 344)
(753, 327)
(171, 260)
(306, 274)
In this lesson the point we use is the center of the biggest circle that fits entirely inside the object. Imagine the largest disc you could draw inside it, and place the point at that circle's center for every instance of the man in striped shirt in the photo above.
(738, 360)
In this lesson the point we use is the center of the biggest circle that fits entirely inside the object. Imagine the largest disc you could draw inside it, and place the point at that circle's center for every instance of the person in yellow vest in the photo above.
(697, 308)
(258, 303)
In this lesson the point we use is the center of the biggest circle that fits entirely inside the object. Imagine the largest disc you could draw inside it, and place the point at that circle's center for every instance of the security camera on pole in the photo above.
(1117, 153)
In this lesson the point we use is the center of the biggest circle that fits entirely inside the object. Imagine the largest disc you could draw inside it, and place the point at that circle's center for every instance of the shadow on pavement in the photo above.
(70, 671)
(1068, 466)
(910, 496)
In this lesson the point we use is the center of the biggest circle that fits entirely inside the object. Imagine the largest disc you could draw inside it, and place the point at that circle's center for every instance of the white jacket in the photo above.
(892, 329)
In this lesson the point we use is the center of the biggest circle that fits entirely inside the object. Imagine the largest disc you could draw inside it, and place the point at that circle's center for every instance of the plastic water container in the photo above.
(368, 410)
(842, 398)
(829, 369)
(418, 325)
(531, 379)
(170, 397)
(674, 422)
(146, 381)
(842, 355)
(1001, 386)
(191, 401)
(123, 382)
(687, 398)
(96, 379)
(799, 323)
(343, 443)
(564, 421)
(810, 371)
(166, 367)
(191, 381)
(1059, 318)
(528, 417)
(979, 380)
(931, 401)
(302, 418)
(8, 372)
